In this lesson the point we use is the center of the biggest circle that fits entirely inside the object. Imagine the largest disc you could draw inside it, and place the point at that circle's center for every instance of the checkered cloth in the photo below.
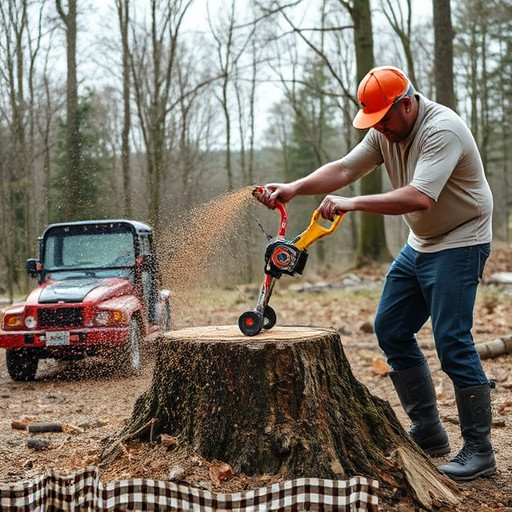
(83, 491)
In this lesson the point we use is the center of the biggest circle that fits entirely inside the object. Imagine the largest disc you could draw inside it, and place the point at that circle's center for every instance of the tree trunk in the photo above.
(372, 238)
(443, 53)
(123, 7)
(73, 150)
(283, 403)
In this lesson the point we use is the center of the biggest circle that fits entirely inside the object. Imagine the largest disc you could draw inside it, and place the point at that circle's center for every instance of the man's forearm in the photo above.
(324, 180)
(396, 202)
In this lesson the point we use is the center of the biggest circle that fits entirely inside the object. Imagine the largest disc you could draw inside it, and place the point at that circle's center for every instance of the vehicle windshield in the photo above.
(88, 248)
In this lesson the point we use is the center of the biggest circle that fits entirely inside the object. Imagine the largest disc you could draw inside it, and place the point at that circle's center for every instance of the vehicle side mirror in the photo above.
(32, 267)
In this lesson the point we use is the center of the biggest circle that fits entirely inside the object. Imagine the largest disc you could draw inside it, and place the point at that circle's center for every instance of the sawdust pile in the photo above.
(194, 247)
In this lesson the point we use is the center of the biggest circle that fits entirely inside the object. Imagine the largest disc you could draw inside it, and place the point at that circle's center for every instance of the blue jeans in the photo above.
(440, 285)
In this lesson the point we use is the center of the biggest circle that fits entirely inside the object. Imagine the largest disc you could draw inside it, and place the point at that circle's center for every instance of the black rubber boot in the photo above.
(477, 455)
(417, 395)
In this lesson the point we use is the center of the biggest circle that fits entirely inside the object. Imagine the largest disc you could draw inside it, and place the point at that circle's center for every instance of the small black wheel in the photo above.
(269, 318)
(250, 323)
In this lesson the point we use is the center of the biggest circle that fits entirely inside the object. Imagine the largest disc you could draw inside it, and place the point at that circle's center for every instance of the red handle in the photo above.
(282, 210)
(284, 219)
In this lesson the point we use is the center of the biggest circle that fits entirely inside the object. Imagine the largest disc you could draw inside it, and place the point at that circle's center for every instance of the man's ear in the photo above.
(407, 104)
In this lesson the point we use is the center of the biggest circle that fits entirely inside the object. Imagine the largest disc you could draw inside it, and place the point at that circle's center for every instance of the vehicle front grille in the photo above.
(60, 317)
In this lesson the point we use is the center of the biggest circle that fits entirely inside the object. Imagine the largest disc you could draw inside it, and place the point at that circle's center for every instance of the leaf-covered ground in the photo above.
(95, 401)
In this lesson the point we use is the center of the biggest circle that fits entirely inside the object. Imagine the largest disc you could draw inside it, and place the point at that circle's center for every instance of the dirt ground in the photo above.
(93, 400)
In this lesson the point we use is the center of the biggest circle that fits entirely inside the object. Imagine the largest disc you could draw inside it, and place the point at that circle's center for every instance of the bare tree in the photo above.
(483, 74)
(194, 124)
(231, 46)
(246, 104)
(154, 66)
(399, 17)
(443, 53)
(49, 104)
(72, 121)
(123, 10)
(372, 240)
(19, 46)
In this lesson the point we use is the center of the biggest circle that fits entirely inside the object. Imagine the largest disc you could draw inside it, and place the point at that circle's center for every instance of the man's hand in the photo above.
(274, 192)
(334, 205)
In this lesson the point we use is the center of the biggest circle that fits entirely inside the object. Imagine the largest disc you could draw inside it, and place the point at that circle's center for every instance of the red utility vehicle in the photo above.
(98, 292)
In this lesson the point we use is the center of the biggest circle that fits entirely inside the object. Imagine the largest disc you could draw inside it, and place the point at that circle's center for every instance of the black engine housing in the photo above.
(282, 257)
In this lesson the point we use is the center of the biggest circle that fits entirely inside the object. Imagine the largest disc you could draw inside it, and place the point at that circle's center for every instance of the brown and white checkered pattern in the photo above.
(83, 491)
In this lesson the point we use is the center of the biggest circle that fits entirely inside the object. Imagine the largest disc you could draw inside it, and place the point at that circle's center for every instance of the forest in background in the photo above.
(147, 108)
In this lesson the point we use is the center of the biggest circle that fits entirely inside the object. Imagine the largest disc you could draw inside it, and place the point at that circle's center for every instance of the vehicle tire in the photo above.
(166, 317)
(132, 348)
(21, 364)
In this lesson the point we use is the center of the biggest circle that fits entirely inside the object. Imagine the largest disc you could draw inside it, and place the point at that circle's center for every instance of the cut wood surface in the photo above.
(284, 402)
(222, 333)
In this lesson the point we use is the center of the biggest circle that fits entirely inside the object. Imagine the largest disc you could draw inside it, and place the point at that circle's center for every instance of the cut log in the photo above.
(37, 428)
(495, 348)
(282, 403)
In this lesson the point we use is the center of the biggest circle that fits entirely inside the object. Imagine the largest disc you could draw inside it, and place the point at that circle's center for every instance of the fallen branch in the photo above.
(37, 428)
(495, 348)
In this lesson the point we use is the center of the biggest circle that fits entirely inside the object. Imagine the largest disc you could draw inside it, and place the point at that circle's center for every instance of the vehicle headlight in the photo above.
(102, 318)
(110, 317)
(30, 322)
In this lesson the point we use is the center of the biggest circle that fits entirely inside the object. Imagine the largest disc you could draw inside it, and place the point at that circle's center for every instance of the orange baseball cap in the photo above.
(377, 92)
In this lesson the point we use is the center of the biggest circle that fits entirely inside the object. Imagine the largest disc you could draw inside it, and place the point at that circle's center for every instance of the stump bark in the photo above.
(282, 403)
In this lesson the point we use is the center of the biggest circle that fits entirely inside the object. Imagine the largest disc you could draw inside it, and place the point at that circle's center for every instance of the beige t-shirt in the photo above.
(439, 158)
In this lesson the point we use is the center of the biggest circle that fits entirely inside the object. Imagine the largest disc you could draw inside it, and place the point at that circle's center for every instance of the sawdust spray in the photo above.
(193, 249)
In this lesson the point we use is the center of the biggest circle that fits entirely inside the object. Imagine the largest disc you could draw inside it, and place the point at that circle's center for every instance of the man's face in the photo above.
(396, 125)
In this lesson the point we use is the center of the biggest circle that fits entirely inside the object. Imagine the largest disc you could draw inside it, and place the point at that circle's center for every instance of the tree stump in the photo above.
(282, 403)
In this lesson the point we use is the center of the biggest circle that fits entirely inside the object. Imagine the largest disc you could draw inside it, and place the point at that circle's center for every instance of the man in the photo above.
(440, 188)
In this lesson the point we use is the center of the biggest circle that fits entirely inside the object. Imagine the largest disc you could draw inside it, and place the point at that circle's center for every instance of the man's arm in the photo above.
(325, 179)
(396, 202)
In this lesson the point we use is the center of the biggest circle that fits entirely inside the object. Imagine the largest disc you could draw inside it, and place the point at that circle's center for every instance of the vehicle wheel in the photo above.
(21, 364)
(132, 355)
(269, 318)
(250, 323)
(166, 317)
